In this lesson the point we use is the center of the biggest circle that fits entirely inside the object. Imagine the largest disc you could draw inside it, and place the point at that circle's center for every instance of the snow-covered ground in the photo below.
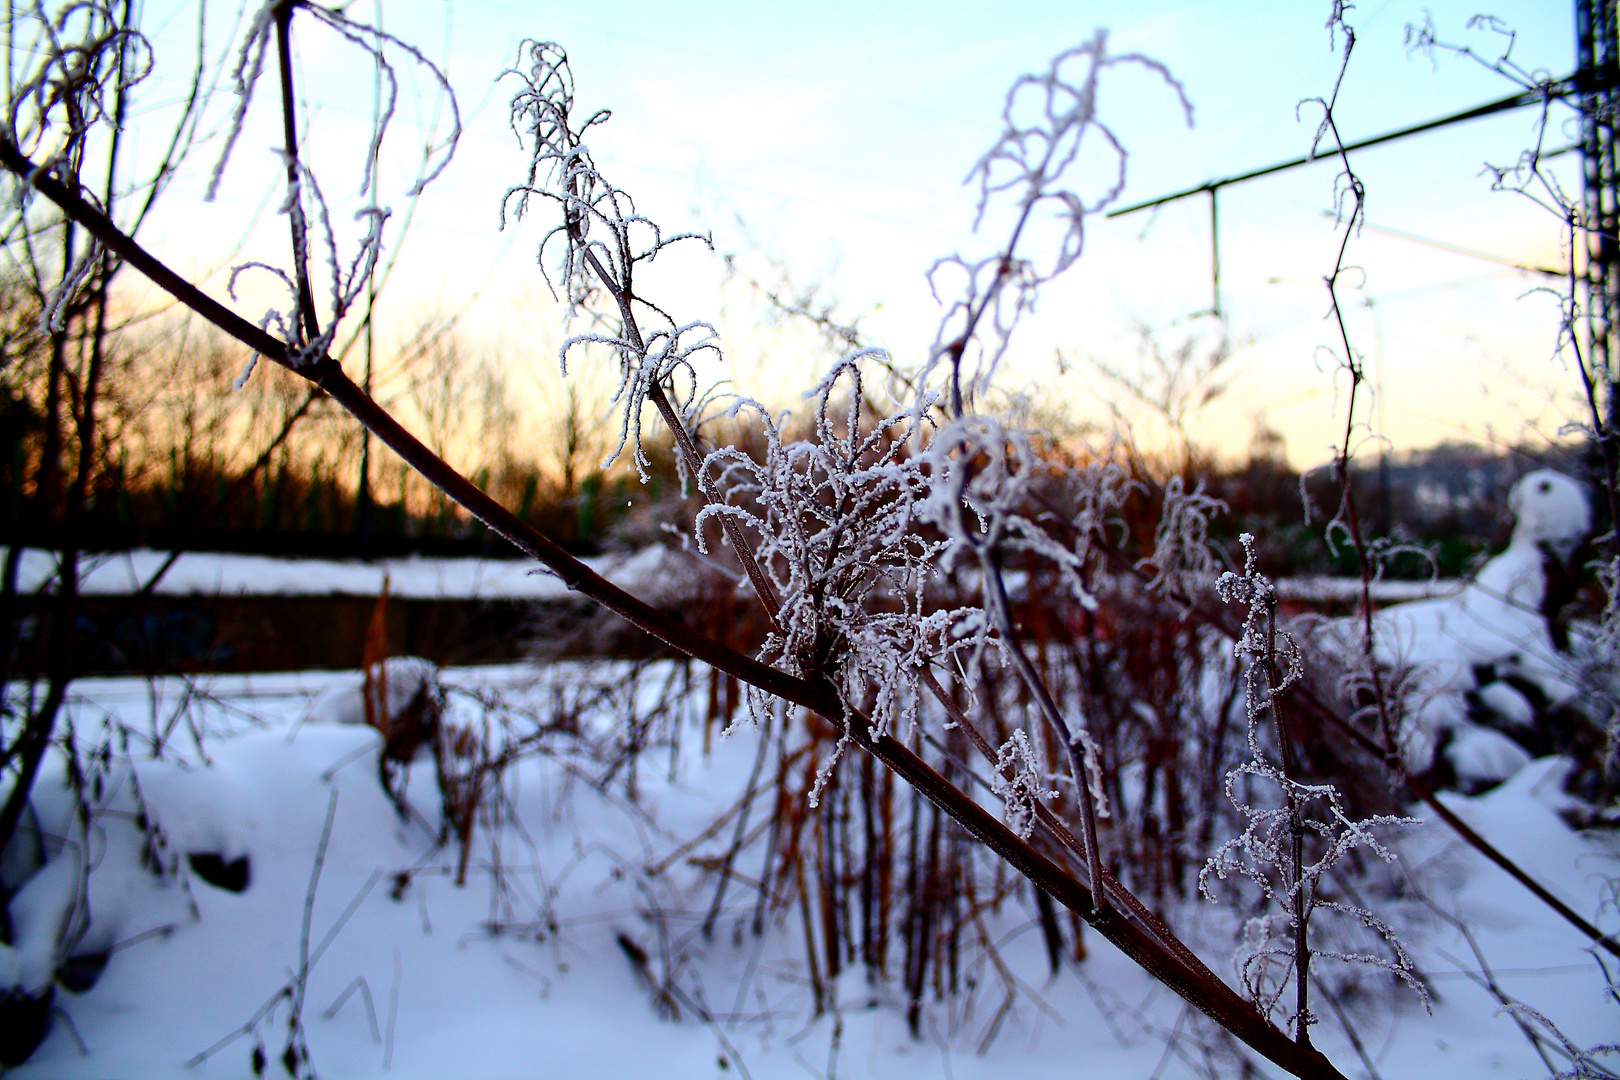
(225, 574)
(1348, 589)
(524, 973)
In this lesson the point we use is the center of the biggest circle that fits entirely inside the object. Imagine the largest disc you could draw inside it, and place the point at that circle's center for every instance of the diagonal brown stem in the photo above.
(688, 450)
(1066, 839)
(996, 590)
(1212, 997)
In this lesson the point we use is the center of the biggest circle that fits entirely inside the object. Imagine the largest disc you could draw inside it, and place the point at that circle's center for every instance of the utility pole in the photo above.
(1598, 57)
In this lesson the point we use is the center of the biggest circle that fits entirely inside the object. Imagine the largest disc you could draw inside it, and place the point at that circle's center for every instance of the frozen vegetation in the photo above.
(575, 945)
(530, 871)
(965, 748)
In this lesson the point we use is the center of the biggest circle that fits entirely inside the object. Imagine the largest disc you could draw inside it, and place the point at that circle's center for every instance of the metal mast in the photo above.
(1598, 59)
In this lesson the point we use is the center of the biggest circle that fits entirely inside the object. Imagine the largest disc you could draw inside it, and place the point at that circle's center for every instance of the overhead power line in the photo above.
(1443, 245)
(1582, 82)
(1556, 91)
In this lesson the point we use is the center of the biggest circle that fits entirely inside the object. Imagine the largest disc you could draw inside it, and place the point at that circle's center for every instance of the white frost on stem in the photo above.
(1016, 779)
(1047, 119)
(1278, 811)
(1183, 563)
(346, 279)
(983, 475)
(834, 520)
(604, 239)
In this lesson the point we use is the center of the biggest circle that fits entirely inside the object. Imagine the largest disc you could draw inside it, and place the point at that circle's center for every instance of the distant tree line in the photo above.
(186, 459)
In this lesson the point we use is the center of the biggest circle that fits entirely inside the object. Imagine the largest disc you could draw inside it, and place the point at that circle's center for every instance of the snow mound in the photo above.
(1482, 758)
(1484, 668)
(407, 974)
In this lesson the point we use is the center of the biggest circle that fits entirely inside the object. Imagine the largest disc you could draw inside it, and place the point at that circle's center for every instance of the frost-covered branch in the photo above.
(309, 333)
(1279, 813)
(1049, 120)
(841, 558)
(833, 519)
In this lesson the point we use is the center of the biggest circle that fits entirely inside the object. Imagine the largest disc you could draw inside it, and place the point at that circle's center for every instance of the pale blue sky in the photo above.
(839, 133)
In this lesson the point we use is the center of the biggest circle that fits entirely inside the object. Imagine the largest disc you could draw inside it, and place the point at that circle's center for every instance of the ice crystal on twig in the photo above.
(1583, 1064)
(66, 78)
(663, 354)
(1047, 119)
(603, 240)
(375, 42)
(74, 275)
(833, 517)
(1293, 832)
(1099, 491)
(983, 475)
(346, 278)
(65, 83)
(1183, 563)
(1016, 778)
